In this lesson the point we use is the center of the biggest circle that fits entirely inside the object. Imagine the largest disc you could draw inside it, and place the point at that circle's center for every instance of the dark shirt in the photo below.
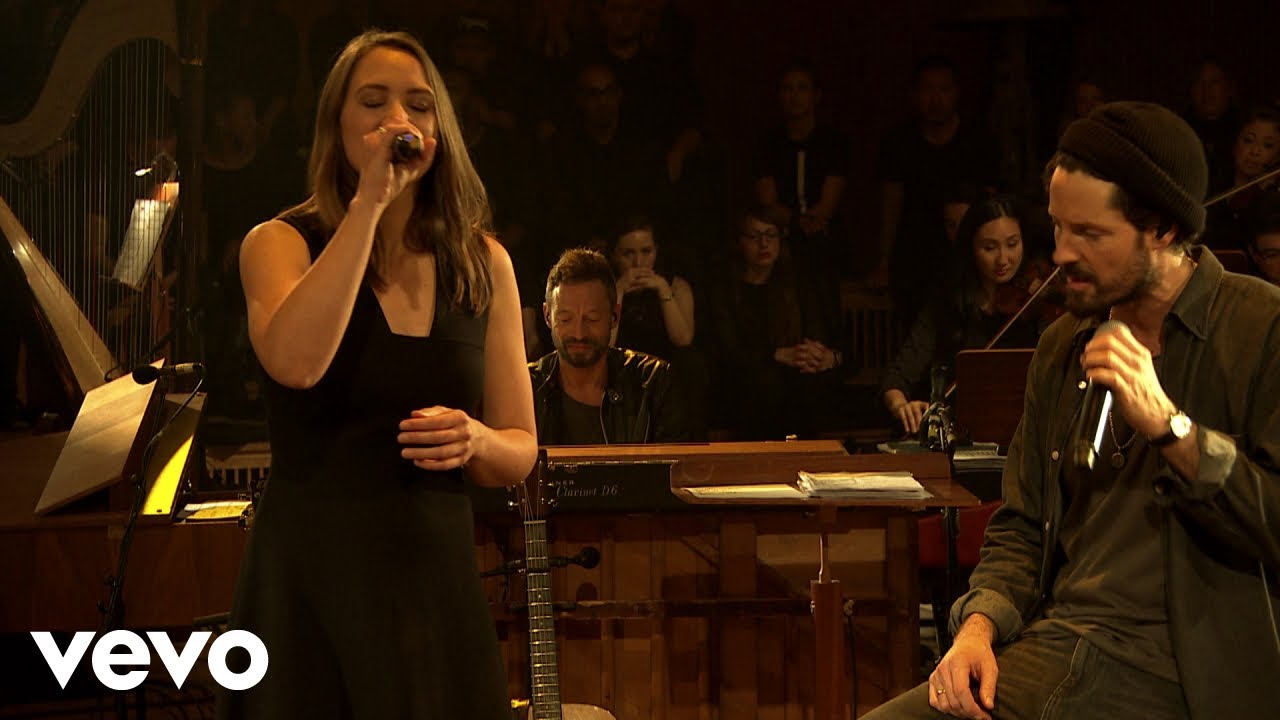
(580, 423)
(1110, 587)
(591, 186)
(926, 171)
(642, 326)
(1222, 367)
(1229, 224)
(825, 154)
(639, 403)
(258, 58)
(1219, 140)
(759, 397)
(659, 96)
(936, 336)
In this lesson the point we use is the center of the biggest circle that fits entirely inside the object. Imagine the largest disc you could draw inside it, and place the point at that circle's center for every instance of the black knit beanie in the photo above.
(1150, 152)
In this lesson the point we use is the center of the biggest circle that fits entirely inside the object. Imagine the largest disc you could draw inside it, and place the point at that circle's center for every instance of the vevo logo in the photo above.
(105, 659)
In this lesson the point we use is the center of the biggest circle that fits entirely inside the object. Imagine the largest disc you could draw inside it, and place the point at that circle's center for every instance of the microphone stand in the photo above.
(113, 609)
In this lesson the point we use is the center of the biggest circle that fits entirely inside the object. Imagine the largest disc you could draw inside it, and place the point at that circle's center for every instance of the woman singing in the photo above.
(388, 326)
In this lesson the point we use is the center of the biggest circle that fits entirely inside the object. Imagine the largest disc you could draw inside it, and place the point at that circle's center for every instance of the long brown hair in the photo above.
(451, 215)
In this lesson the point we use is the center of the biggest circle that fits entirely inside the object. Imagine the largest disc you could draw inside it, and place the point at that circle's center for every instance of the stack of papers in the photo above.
(893, 485)
(978, 456)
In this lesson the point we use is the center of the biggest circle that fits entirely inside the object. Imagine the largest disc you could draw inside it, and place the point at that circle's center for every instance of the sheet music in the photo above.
(888, 485)
(768, 491)
(146, 226)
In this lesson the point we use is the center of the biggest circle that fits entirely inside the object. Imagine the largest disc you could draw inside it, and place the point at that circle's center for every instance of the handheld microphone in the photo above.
(405, 147)
(146, 373)
(1091, 424)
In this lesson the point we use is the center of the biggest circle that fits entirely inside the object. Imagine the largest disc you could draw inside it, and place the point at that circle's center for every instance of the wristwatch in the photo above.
(1179, 427)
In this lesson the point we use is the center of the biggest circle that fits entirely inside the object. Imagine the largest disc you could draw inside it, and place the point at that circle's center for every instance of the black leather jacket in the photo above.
(639, 405)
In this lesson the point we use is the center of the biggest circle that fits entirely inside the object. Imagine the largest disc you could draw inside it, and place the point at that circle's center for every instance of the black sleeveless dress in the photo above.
(360, 574)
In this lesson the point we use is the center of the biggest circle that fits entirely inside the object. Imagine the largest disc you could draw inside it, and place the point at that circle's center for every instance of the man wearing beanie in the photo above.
(1138, 587)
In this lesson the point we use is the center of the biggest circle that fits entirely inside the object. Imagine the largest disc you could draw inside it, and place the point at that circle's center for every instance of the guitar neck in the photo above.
(542, 630)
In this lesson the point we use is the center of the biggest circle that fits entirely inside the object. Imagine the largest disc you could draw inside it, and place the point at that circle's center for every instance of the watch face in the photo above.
(1180, 424)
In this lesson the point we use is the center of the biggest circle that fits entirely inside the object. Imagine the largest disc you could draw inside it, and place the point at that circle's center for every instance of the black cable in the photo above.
(1262, 570)
(113, 611)
(853, 661)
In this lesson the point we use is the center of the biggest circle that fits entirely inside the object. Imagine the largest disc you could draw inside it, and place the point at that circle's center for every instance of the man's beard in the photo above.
(1138, 278)
(580, 357)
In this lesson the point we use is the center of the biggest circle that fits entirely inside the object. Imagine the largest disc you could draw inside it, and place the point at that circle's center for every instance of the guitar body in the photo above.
(575, 711)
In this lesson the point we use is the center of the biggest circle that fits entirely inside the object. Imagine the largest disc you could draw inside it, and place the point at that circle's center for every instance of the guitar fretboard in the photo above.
(543, 661)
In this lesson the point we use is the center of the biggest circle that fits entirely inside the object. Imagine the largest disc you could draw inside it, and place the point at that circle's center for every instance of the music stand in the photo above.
(147, 226)
(990, 385)
(104, 445)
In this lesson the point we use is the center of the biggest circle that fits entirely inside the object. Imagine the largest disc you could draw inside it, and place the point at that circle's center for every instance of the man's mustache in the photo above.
(1076, 270)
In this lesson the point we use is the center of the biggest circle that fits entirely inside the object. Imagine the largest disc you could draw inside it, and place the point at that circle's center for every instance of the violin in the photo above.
(1013, 296)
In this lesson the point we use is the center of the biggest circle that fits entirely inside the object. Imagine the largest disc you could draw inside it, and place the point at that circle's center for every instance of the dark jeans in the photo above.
(1060, 678)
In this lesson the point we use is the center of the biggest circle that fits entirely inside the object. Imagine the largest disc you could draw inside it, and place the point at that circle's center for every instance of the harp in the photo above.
(88, 192)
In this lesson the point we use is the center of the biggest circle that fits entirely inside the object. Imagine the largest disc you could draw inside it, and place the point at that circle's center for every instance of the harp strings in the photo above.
(76, 198)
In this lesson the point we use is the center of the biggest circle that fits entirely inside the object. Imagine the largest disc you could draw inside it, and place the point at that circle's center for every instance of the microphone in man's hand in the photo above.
(1091, 423)
(405, 147)
(146, 373)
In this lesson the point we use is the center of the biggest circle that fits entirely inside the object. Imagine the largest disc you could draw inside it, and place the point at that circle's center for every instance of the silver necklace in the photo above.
(1117, 456)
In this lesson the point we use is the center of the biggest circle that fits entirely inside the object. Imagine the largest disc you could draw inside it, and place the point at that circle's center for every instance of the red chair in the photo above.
(941, 570)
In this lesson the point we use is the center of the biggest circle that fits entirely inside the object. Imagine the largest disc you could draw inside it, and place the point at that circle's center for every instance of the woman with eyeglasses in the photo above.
(774, 354)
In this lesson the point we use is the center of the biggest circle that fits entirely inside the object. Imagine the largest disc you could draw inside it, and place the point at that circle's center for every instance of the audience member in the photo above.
(501, 90)
(598, 169)
(657, 313)
(587, 393)
(774, 356)
(244, 181)
(934, 150)
(668, 32)
(1256, 152)
(253, 50)
(1264, 245)
(995, 275)
(1085, 95)
(656, 307)
(1213, 114)
(956, 201)
(801, 169)
(663, 103)
(500, 158)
